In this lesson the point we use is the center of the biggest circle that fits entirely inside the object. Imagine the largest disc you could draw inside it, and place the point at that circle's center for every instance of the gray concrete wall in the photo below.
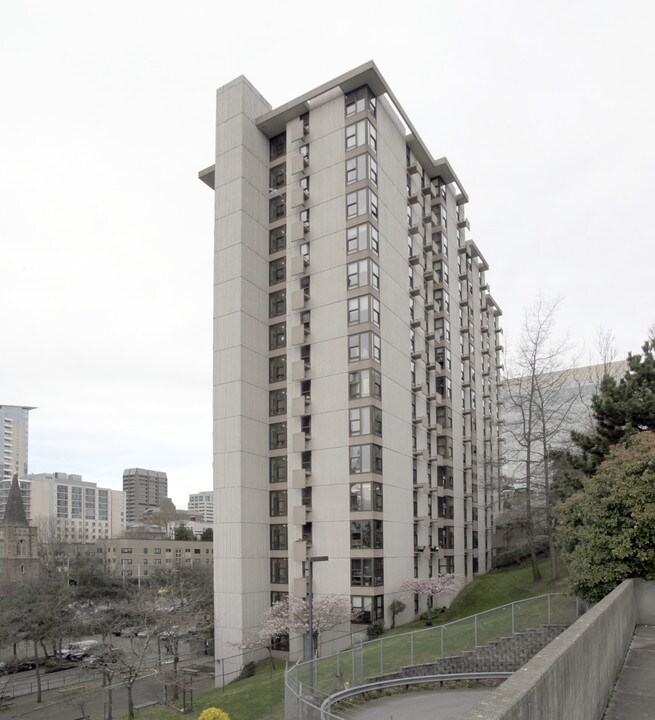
(574, 675)
(645, 602)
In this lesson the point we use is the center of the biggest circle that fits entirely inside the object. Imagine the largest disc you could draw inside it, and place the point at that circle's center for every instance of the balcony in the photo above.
(299, 163)
(298, 231)
(300, 442)
(300, 551)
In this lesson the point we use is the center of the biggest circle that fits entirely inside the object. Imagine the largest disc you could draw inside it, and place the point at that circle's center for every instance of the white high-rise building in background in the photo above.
(69, 509)
(203, 502)
(14, 426)
(357, 355)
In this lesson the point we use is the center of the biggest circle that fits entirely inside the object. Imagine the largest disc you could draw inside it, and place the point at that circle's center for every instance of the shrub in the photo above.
(375, 630)
(213, 713)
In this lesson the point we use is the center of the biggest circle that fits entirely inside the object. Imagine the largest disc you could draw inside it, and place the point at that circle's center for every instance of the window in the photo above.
(365, 459)
(361, 273)
(362, 309)
(277, 207)
(365, 421)
(442, 300)
(277, 240)
(359, 100)
(277, 402)
(364, 383)
(277, 303)
(277, 503)
(444, 387)
(304, 150)
(280, 642)
(279, 537)
(361, 167)
(441, 272)
(365, 497)
(442, 329)
(362, 237)
(445, 476)
(442, 356)
(277, 469)
(364, 346)
(367, 572)
(277, 271)
(279, 571)
(277, 336)
(361, 202)
(278, 435)
(277, 176)
(367, 609)
(306, 497)
(366, 534)
(276, 597)
(278, 146)
(277, 368)
(361, 133)
(126, 550)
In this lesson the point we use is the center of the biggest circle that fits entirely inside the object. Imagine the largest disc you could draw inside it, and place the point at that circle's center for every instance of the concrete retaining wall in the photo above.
(506, 654)
(573, 676)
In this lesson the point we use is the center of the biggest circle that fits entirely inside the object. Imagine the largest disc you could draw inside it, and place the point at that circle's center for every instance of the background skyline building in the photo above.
(203, 502)
(357, 355)
(67, 508)
(144, 489)
(14, 425)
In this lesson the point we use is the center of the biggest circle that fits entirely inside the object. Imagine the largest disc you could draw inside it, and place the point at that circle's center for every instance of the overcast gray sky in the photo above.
(545, 109)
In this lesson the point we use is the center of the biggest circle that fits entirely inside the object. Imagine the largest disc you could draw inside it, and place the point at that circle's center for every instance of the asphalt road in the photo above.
(24, 683)
(89, 699)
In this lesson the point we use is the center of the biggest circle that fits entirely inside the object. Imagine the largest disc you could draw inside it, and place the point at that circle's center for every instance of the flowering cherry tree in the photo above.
(440, 585)
(291, 615)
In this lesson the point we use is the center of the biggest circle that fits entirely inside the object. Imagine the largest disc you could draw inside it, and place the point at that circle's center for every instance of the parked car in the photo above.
(7, 667)
(130, 631)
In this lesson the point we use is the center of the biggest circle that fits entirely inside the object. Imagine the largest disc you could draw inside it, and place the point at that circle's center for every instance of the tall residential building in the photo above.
(203, 502)
(14, 426)
(69, 508)
(356, 356)
(143, 489)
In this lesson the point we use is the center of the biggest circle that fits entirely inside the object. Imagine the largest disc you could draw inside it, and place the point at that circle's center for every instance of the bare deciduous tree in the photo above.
(542, 393)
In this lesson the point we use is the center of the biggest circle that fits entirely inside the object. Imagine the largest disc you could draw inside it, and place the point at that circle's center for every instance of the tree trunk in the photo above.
(536, 575)
(38, 672)
(550, 530)
(130, 702)
(176, 661)
(108, 697)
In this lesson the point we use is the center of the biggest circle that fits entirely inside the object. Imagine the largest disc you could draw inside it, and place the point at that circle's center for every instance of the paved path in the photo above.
(445, 704)
(634, 693)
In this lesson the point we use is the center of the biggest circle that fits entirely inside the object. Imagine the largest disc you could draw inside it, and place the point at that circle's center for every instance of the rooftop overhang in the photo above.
(274, 122)
(207, 175)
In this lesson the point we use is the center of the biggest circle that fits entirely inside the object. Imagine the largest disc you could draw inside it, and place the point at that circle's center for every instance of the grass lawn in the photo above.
(261, 697)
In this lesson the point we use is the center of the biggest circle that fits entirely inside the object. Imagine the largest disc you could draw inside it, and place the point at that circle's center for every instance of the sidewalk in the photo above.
(634, 693)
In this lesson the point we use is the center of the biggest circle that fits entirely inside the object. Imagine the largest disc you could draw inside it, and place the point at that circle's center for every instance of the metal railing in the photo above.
(309, 684)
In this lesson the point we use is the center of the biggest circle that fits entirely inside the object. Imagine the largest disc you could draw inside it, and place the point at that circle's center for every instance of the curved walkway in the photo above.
(444, 704)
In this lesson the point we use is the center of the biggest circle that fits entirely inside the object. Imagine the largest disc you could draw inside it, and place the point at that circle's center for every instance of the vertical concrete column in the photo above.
(241, 571)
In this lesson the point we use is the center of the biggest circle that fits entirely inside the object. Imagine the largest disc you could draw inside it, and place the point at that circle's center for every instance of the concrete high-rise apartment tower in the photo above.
(143, 489)
(14, 426)
(356, 356)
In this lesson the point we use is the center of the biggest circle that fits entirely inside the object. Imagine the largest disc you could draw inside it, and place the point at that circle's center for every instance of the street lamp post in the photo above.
(309, 642)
